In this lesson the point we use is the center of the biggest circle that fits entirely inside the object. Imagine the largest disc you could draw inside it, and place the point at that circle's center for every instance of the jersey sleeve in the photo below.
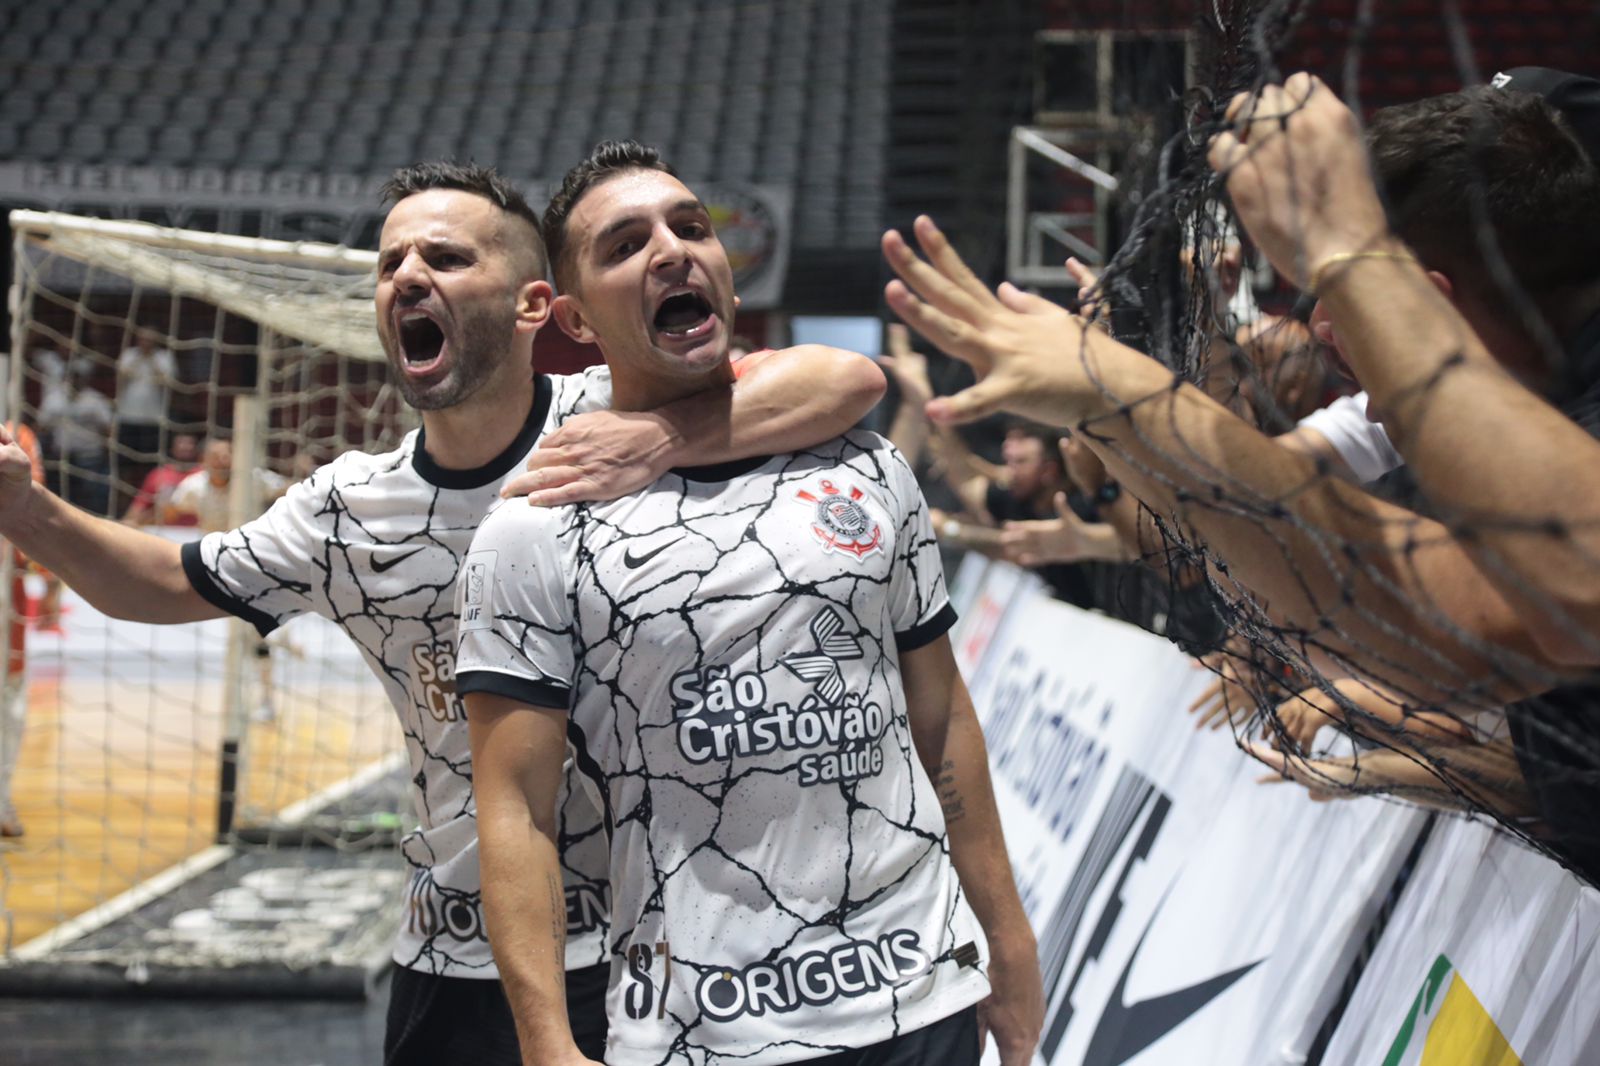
(513, 610)
(919, 604)
(267, 570)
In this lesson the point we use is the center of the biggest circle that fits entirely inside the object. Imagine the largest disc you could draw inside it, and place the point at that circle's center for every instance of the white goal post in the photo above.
(146, 748)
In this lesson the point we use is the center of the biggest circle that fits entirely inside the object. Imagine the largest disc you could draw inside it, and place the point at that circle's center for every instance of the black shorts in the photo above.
(437, 1020)
(951, 1042)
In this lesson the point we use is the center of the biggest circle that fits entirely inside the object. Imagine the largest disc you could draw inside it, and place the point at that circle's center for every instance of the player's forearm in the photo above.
(122, 572)
(977, 841)
(787, 402)
(525, 910)
(1520, 474)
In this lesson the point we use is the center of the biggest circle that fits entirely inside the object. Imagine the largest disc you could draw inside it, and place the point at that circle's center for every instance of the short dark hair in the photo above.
(1450, 162)
(607, 160)
(466, 177)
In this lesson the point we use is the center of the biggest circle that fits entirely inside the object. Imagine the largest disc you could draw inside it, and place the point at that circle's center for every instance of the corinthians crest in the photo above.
(841, 523)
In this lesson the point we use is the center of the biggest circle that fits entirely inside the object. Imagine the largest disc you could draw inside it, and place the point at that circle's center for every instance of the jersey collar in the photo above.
(500, 465)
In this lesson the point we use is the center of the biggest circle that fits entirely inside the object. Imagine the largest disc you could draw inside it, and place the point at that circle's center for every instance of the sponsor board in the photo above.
(1169, 891)
(1491, 958)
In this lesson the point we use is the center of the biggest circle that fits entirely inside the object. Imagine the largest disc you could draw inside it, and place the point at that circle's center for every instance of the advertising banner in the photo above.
(1490, 959)
(1185, 913)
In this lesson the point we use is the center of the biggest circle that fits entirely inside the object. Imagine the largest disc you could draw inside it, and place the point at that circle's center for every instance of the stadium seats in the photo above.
(355, 86)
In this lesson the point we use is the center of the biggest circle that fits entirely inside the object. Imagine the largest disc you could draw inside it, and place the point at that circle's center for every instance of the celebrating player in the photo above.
(752, 665)
(373, 542)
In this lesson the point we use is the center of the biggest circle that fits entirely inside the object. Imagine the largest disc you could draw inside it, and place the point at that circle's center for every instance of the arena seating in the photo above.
(353, 87)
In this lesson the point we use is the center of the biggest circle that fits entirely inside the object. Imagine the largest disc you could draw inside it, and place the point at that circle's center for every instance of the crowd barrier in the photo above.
(1187, 914)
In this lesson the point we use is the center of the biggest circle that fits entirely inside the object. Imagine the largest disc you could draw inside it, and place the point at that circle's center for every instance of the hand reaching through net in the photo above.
(1297, 173)
(907, 366)
(1230, 700)
(1029, 354)
(1063, 539)
(1362, 708)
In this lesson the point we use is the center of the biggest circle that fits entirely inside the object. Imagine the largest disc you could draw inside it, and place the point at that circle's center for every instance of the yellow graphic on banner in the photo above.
(1452, 1029)
(1463, 1034)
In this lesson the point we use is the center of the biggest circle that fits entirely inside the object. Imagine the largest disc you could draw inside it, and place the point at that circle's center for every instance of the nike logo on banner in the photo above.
(1127, 1029)
(633, 562)
(380, 565)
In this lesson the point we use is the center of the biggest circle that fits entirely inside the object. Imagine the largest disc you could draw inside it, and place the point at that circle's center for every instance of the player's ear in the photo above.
(533, 305)
(570, 317)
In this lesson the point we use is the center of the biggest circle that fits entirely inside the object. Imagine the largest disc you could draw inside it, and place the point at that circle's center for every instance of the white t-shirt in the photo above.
(78, 422)
(374, 543)
(141, 397)
(198, 495)
(728, 642)
(1362, 444)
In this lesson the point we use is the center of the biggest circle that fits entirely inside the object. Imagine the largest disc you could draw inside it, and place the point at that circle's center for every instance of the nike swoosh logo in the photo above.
(633, 562)
(1124, 1029)
(380, 565)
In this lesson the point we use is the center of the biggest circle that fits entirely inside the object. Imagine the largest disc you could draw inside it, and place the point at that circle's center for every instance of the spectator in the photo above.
(78, 418)
(145, 372)
(1397, 596)
(202, 496)
(153, 504)
(1341, 435)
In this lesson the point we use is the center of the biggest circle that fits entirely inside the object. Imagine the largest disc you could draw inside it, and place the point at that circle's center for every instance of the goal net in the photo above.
(202, 809)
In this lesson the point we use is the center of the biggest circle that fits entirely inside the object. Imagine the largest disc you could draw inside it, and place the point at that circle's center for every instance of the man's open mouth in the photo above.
(682, 314)
(421, 340)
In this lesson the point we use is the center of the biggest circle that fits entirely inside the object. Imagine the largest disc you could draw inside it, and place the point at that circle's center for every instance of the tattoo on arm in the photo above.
(950, 800)
(558, 923)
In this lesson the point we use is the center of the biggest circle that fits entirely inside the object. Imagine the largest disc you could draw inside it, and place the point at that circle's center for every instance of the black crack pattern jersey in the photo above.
(374, 543)
(728, 642)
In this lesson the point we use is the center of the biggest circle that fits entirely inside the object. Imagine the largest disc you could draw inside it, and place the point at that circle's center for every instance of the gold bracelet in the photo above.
(1347, 257)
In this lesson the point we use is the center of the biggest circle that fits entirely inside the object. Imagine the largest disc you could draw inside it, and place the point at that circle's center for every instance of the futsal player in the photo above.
(374, 542)
(752, 663)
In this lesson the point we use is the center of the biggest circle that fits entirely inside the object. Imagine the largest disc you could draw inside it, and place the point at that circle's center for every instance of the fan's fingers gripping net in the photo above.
(203, 746)
(1332, 608)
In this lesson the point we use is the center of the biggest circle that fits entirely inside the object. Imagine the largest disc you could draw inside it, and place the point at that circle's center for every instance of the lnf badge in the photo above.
(841, 523)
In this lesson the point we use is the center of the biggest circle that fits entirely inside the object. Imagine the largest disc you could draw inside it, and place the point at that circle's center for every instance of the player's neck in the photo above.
(473, 433)
(636, 390)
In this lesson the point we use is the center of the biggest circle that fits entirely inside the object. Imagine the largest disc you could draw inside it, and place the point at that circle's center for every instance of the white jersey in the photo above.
(728, 643)
(374, 543)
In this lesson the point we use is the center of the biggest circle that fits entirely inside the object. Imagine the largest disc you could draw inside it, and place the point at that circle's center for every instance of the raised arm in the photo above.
(1366, 583)
(517, 755)
(122, 572)
(950, 743)
(1479, 443)
(783, 401)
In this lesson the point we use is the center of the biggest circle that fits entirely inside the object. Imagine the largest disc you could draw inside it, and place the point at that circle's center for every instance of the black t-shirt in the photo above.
(1556, 735)
(1070, 582)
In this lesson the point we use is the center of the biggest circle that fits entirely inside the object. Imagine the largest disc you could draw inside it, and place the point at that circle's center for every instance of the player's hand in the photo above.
(1014, 1011)
(1028, 352)
(16, 474)
(602, 455)
(1065, 538)
(1297, 173)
